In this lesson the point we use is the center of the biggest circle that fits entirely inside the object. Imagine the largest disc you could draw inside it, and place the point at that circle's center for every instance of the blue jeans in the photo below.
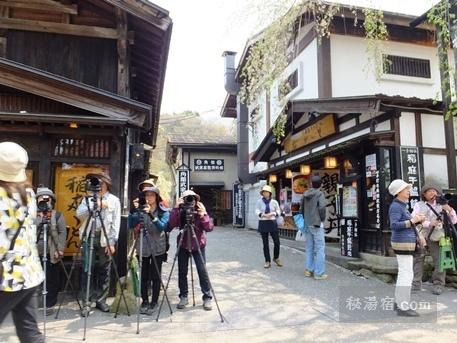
(315, 250)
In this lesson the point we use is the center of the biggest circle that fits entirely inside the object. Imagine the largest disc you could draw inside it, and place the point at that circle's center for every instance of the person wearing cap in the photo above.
(20, 268)
(430, 208)
(155, 222)
(202, 223)
(403, 241)
(314, 211)
(267, 209)
(57, 240)
(104, 246)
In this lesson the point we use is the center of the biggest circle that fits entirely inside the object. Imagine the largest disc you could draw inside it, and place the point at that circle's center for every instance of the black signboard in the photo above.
(350, 237)
(208, 164)
(239, 205)
(182, 179)
(410, 171)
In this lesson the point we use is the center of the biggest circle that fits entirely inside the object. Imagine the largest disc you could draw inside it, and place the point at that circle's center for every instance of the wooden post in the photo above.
(123, 65)
(4, 13)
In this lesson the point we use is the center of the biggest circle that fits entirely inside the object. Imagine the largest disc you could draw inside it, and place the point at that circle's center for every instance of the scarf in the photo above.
(267, 204)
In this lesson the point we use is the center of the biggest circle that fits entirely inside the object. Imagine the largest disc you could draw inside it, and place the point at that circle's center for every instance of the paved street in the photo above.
(275, 305)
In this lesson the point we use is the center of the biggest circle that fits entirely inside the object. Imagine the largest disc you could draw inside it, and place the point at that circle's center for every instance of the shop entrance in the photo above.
(218, 203)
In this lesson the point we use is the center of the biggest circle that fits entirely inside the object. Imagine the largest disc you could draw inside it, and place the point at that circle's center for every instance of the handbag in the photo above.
(437, 232)
(300, 236)
(280, 221)
(299, 221)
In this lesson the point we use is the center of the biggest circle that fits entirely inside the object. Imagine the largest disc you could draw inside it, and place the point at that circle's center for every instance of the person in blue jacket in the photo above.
(154, 217)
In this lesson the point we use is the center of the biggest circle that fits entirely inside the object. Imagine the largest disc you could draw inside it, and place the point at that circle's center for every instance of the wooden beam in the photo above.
(123, 61)
(50, 6)
(65, 29)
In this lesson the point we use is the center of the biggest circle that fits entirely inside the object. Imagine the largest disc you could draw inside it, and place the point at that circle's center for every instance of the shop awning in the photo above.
(215, 184)
(308, 156)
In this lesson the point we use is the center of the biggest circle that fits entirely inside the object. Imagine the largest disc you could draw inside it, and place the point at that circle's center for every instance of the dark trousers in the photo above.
(150, 278)
(183, 266)
(52, 282)
(22, 305)
(101, 270)
(266, 247)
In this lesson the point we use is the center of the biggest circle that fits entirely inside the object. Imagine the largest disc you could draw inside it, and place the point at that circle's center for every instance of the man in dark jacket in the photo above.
(314, 212)
(56, 233)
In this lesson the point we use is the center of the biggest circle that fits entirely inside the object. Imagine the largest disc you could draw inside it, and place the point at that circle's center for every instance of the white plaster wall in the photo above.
(433, 131)
(435, 170)
(383, 126)
(407, 129)
(351, 78)
(306, 62)
(252, 193)
(228, 176)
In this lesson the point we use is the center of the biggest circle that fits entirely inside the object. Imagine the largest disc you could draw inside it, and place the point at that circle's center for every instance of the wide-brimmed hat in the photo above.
(13, 161)
(102, 176)
(43, 191)
(266, 188)
(154, 190)
(146, 182)
(190, 192)
(396, 186)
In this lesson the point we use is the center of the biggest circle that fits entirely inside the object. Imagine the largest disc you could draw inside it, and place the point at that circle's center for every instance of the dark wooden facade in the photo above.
(81, 81)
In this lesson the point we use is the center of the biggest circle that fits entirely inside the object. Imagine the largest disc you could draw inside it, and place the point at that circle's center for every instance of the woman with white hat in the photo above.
(20, 268)
(268, 210)
(403, 240)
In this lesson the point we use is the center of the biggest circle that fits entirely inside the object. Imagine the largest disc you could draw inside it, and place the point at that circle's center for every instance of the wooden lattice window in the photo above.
(407, 66)
(88, 148)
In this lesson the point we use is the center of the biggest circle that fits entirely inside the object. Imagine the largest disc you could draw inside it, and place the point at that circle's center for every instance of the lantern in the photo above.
(305, 169)
(330, 162)
(288, 173)
(272, 178)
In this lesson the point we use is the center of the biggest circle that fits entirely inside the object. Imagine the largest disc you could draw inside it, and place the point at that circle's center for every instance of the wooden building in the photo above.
(81, 85)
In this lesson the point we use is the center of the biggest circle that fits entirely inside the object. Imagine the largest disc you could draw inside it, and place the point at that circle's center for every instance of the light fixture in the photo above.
(354, 184)
(73, 125)
(305, 169)
(288, 173)
(347, 165)
(330, 162)
(272, 178)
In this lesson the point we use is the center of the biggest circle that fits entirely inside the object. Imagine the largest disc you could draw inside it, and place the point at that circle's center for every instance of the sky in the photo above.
(204, 29)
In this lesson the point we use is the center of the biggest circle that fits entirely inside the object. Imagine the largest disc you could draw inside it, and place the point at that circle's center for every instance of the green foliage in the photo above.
(279, 128)
(375, 33)
(441, 17)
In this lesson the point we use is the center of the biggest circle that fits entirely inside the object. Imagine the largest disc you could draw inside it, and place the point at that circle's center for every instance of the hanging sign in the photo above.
(410, 171)
(182, 181)
(239, 205)
(208, 164)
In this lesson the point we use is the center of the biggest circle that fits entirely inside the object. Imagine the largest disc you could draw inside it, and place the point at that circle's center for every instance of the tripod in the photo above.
(95, 213)
(189, 230)
(143, 234)
(44, 228)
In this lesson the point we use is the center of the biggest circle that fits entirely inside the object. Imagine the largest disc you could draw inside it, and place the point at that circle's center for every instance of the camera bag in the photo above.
(436, 233)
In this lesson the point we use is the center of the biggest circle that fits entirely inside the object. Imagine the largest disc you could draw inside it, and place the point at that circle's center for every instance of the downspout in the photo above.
(232, 87)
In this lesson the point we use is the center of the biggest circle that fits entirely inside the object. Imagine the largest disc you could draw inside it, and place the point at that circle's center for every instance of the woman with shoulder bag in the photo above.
(433, 231)
(21, 272)
(404, 239)
(268, 211)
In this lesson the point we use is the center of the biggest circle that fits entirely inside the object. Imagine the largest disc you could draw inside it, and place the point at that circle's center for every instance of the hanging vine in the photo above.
(272, 51)
(375, 33)
(441, 16)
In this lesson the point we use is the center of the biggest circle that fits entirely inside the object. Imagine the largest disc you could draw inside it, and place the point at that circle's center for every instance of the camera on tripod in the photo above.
(142, 203)
(443, 199)
(189, 208)
(44, 205)
(93, 184)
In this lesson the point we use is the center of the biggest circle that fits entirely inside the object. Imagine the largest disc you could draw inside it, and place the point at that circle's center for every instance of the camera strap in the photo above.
(21, 223)
(438, 216)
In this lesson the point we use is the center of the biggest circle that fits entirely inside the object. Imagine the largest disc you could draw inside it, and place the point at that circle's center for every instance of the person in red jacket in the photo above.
(189, 209)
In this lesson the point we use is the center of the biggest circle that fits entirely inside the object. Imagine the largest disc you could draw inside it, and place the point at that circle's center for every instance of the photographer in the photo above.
(54, 222)
(189, 210)
(432, 203)
(154, 217)
(110, 210)
(20, 268)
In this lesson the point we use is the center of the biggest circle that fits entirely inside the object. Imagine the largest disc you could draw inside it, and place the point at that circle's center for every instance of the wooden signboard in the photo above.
(323, 127)
(70, 191)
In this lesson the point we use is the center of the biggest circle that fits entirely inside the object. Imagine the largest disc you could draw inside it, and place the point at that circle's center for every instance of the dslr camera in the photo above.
(45, 205)
(189, 208)
(93, 184)
(443, 199)
(142, 201)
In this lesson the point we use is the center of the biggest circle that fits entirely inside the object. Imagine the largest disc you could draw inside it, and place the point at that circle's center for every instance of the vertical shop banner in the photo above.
(330, 179)
(372, 183)
(183, 179)
(239, 205)
(70, 191)
(350, 237)
(410, 170)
